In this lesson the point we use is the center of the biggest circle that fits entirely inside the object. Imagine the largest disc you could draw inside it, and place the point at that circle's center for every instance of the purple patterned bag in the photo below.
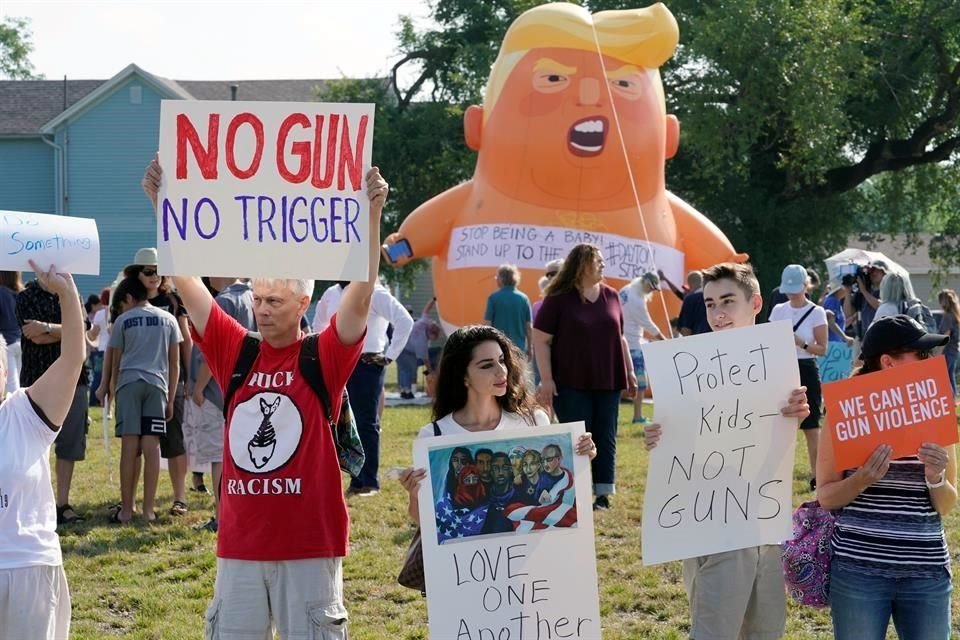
(806, 558)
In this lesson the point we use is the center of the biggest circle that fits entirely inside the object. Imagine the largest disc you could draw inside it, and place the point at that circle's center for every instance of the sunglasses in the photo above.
(550, 274)
(149, 271)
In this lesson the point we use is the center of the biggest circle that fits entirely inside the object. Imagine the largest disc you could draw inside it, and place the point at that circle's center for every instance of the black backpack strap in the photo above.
(803, 317)
(436, 429)
(249, 350)
(309, 364)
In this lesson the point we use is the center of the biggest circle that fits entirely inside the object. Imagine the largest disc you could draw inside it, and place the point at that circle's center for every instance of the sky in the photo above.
(215, 39)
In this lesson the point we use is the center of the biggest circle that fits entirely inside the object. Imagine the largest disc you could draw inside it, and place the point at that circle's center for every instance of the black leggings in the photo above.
(810, 378)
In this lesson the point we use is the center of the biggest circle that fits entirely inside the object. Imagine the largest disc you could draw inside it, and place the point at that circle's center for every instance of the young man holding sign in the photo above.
(890, 553)
(740, 593)
(283, 525)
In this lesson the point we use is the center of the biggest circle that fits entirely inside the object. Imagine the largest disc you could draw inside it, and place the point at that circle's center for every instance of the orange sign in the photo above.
(903, 407)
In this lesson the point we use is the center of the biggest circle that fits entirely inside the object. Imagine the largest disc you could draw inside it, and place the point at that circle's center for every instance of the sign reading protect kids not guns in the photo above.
(507, 533)
(721, 476)
(903, 407)
(271, 189)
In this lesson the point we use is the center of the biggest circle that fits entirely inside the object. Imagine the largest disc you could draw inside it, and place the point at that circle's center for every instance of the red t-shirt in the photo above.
(280, 494)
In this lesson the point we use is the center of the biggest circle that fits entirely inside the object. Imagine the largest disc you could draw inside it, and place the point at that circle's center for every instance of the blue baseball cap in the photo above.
(794, 279)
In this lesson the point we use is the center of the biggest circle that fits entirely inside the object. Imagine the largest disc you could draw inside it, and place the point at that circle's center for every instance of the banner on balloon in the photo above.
(903, 406)
(836, 363)
(507, 535)
(72, 244)
(271, 189)
(721, 476)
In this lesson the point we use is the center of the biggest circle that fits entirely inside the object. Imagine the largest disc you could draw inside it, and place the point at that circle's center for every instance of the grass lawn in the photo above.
(154, 581)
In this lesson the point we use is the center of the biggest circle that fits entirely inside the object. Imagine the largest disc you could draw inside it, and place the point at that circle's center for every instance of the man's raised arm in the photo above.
(196, 298)
(355, 303)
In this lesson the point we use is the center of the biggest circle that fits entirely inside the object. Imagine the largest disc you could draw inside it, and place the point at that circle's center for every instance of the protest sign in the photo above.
(902, 406)
(721, 476)
(271, 189)
(503, 558)
(836, 363)
(532, 245)
(72, 244)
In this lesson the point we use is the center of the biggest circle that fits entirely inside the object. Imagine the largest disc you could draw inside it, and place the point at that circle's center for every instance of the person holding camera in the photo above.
(866, 295)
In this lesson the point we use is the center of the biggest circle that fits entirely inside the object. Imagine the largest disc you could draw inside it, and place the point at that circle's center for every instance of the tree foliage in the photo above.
(802, 121)
(15, 49)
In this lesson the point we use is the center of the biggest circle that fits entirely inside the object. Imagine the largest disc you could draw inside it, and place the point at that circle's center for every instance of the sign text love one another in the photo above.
(268, 189)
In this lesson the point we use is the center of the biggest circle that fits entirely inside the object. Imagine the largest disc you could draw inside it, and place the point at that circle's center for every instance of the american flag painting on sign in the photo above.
(511, 486)
(560, 512)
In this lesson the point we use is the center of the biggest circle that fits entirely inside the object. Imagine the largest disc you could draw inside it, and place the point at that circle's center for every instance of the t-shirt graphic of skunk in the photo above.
(264, 441)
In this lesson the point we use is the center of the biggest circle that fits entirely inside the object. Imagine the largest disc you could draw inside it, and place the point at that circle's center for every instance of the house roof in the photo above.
(29, 106)
(26, 105)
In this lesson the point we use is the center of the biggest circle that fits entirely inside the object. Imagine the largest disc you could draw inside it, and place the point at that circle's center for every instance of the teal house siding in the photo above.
(26, 175)
(107, 147)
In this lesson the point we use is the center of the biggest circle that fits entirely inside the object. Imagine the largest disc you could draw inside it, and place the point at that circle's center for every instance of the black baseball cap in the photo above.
(899, 333)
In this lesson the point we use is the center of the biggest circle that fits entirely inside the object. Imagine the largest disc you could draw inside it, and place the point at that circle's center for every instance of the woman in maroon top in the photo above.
(583, 357)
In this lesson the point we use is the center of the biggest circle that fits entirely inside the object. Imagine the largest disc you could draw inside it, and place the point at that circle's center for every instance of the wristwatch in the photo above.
(939, 483)
(804, 347)
(46, 327)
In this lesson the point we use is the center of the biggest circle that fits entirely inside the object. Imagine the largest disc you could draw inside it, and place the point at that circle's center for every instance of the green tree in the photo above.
(15, 49)
(419, 149)
(803, 121)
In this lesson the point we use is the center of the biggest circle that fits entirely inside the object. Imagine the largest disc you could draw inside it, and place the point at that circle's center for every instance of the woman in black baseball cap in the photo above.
(890, 553)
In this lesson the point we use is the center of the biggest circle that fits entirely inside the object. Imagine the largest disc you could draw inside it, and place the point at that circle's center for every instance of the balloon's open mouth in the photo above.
(586, 137)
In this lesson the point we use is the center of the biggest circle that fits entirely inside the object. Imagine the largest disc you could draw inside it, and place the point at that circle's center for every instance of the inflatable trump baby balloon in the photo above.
(572, 139)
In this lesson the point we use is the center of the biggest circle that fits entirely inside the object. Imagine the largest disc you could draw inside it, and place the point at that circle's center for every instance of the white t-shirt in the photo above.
(886, 310)
(636, 318)
(28, 512)
(816, 318)
(449, 427)
(103, 338)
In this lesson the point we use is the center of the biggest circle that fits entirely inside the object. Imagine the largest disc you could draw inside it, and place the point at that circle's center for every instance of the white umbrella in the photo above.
(847, 261)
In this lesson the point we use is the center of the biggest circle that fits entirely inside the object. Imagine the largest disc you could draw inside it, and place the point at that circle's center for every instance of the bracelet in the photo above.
(804, 347)
(942, 481)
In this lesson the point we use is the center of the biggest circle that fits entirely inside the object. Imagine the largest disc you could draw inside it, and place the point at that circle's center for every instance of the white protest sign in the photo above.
(271, 189)
(502, 559)
(72, 244)
(721, 476)
(531, 246)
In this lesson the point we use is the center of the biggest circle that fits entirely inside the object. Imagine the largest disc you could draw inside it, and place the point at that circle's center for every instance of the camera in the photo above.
(852, 273)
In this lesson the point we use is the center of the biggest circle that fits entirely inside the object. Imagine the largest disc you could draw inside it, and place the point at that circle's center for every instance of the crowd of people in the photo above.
(163, 355)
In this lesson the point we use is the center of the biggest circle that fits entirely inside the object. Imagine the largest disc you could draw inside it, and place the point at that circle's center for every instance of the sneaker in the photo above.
(365, 492)
(407, 395)
(200, 488)
(601, 503)
(209, 525)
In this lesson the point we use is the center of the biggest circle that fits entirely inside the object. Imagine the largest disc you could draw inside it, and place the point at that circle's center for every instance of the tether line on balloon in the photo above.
(633, 184)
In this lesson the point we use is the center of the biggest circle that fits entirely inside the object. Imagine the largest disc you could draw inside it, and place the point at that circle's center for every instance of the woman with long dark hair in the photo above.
(890, 555)
(583, 357)
(481, 386)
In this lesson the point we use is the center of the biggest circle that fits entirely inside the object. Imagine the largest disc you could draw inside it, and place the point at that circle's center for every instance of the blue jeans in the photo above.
(599, 410)
(951, 357)
(365, 386)
(96, 366)
(861, 606)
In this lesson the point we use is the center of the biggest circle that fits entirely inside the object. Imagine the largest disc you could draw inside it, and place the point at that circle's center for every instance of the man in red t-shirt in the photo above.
(284, 526)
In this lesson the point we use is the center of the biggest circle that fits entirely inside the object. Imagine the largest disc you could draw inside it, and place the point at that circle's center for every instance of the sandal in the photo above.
(67, 515)
(115, 518)
(179, 508)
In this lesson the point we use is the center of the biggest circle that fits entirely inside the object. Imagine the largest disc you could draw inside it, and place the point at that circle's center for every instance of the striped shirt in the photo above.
(891, 529)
